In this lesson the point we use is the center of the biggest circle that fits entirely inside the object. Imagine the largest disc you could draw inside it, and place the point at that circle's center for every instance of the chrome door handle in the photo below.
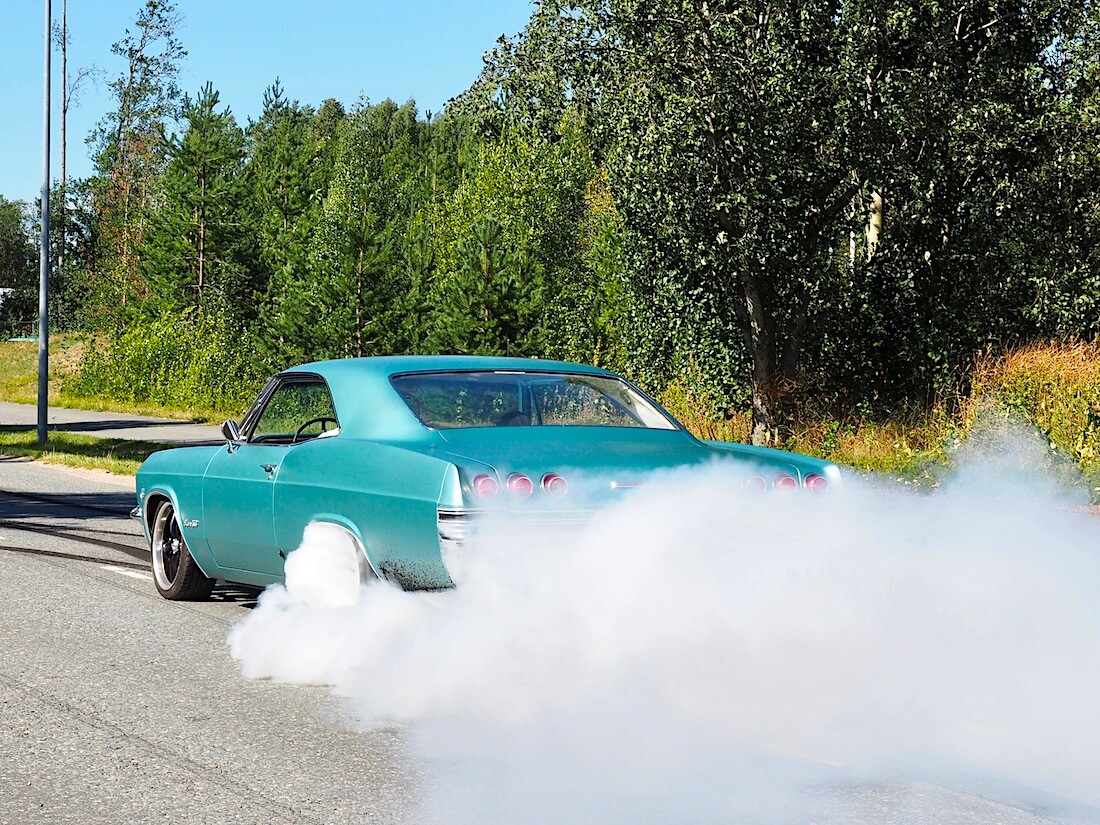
(268, 468)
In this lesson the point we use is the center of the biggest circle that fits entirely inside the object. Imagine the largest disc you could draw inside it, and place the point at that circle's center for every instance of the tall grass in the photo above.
(914, 446)
(1055, 387)
(683, 402)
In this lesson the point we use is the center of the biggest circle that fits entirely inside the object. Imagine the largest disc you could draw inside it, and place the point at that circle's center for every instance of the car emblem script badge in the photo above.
(190, 522)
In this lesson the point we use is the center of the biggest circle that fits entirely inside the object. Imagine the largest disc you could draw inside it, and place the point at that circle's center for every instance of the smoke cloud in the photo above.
(701, 654)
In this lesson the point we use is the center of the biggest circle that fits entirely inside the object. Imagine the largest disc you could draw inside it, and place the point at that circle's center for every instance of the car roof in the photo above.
(389, 365)
(369, 407)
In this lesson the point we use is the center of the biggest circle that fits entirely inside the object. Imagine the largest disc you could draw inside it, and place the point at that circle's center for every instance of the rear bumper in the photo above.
(458, 526)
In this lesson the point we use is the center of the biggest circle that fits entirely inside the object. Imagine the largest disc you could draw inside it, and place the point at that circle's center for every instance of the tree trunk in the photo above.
(360, 350)
(202, 235)
(760, 336)
(758, 327)
(874, 223)
(792, 347)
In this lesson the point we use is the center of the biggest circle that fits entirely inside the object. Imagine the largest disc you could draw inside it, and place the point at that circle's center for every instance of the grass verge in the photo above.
(19, 382)
(85, 451)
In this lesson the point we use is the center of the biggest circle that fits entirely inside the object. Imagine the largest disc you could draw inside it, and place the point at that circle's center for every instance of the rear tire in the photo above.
(175, 573)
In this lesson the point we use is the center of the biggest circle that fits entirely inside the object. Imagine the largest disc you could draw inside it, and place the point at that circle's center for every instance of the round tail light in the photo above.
(485, 486)
(755, 483)
(554, 485)
(520, 485)
(783, 481)
(816, 483)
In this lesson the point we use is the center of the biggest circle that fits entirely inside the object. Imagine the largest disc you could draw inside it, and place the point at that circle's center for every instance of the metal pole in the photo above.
(44, 255)
(64, 138)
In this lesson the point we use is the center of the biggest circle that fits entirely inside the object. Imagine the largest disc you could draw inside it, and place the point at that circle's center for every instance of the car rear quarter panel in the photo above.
(387, 496)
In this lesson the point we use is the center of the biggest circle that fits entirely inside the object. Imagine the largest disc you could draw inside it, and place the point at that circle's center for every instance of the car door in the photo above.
(239, 485)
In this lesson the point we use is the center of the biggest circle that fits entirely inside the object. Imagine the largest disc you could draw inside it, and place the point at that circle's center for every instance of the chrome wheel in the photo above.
(175, 573)
(167, 547)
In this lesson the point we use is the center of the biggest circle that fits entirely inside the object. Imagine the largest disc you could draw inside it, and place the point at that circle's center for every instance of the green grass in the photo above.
(88, 452)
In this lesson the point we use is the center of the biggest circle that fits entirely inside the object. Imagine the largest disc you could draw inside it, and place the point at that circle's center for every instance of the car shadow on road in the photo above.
(243, 595)
(20, 505)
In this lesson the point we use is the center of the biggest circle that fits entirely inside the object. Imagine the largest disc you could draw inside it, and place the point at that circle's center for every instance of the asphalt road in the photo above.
(118, 706)
(111, 424)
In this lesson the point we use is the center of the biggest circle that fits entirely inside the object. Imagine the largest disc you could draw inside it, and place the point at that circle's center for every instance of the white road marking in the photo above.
(123, 571)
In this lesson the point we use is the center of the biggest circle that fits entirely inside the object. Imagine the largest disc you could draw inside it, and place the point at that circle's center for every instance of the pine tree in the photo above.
(492, 305)
(289, 180)
(196, 251)
(350, 299)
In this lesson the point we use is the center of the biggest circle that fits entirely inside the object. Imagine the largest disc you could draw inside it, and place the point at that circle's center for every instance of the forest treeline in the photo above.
(757, 202)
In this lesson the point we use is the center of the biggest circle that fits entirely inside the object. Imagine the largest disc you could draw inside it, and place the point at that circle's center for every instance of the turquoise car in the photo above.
(408, 455)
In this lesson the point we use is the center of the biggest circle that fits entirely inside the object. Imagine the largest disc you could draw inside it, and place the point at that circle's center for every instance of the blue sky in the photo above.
(429, 50)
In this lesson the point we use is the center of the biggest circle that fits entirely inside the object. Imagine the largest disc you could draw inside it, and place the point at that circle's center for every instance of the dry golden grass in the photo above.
(908, 444)
(19, 367)
(1056, 387)
(912, 445)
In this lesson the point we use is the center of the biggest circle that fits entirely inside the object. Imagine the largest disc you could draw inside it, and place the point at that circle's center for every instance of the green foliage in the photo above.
(18, 271)
(787, 173)
(340, 299)
(596, 300)
(492, 304)
(75, 259)
(188, 360)
(951, 108)
(511, 274)
(290, 164)
(722, 145)
(198, 247)
(754, 208)
(128, 150)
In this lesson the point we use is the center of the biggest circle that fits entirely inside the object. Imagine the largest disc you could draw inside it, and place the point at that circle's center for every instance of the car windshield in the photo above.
(450, 400)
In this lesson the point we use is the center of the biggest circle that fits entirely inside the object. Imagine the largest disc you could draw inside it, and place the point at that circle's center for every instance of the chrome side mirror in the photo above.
(231, 430)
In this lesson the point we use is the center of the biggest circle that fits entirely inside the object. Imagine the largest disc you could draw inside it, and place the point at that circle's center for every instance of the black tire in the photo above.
(175, 573)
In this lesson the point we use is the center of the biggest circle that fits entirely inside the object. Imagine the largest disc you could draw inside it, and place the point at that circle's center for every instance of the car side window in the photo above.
(296, 411)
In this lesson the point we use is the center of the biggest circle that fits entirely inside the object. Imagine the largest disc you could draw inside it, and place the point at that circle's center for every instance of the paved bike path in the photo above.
(111, 425)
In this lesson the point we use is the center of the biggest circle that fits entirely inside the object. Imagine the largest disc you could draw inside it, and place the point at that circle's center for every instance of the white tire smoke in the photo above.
(697, 654)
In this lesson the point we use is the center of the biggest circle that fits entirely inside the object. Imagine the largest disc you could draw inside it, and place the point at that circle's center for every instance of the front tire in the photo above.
(175, 573)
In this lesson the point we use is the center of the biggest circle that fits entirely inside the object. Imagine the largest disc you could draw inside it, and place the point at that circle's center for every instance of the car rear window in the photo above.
(449, 400)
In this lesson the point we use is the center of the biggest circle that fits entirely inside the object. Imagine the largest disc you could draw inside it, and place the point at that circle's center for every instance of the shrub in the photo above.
(187, 360)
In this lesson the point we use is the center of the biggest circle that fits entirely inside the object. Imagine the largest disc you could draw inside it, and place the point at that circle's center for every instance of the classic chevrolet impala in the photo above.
(407, 455)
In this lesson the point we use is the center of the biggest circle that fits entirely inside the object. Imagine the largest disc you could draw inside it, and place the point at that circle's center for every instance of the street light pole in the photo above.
(44, 254)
